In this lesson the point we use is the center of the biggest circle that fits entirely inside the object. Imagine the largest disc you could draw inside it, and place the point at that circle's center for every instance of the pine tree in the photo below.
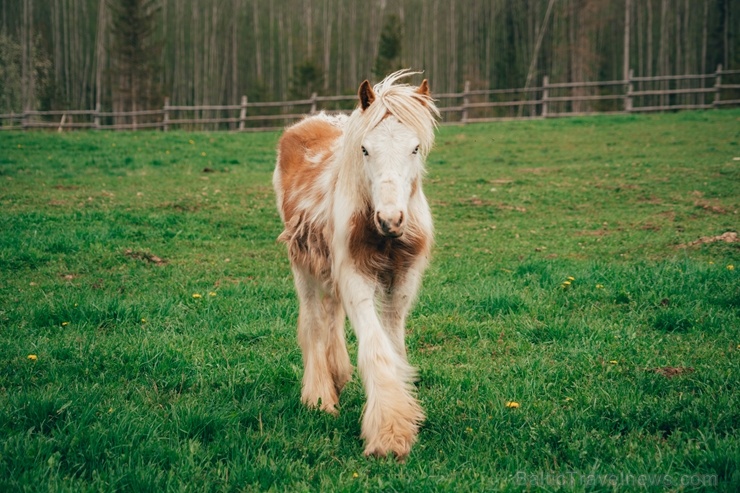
(389, 47)
(134, 53)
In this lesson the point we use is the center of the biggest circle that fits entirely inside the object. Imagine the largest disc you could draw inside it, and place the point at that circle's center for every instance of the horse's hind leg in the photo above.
(319, 389)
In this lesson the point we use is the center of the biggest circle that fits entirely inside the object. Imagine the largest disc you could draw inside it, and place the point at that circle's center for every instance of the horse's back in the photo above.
(303, 153)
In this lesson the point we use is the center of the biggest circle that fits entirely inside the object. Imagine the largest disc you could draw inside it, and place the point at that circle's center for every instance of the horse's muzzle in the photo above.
(390, 225)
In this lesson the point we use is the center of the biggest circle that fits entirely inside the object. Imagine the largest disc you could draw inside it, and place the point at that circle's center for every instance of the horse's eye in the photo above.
(364, 151)
(416, 150)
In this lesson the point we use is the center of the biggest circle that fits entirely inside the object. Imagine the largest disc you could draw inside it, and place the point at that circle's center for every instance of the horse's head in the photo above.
(393, 151)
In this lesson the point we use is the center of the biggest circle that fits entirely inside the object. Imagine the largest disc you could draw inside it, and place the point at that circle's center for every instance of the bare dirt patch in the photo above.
(728, 237)
(710, 207)
(672, 371)
(145, 256)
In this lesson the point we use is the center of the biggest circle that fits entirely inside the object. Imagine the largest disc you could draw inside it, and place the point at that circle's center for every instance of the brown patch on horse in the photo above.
(308, 246)
(384, 258)
(297, 172)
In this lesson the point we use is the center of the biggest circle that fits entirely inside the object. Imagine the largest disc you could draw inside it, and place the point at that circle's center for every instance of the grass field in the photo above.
(578, 328)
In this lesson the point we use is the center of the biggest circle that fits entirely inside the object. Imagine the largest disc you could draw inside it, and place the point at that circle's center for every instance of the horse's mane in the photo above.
(415, 110)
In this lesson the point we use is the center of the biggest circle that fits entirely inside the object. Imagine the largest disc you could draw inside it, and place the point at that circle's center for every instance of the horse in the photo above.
(358, 231)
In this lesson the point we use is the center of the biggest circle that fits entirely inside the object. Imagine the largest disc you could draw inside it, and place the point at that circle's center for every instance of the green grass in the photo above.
(139, 386)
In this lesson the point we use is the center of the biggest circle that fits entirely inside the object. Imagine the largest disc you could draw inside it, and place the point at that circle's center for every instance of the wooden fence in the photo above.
(550, 100)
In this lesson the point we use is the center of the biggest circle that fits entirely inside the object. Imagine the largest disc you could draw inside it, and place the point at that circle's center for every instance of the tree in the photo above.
(307, 79)
(11, 76)
(135, 53)
(389, 48)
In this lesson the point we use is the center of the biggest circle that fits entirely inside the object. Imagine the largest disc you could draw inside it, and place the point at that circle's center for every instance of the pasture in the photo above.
(578, 328)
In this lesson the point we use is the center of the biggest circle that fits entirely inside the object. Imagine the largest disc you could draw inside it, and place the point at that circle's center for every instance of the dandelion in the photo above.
(64, 324)
(212, 294)
(113, 144)
(143, 320)
(32, 357)
(191, 142)
(711, 262)
(197, 295)
(599, 286)
(203, 154)
(167, 151)
(355, 475)
(613, 362)
(110, 410)
(512, 404)
(730, 267)
(468, 430)
(571, 278)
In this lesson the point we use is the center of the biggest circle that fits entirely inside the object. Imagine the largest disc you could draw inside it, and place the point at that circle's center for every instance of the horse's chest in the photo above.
(385, 259)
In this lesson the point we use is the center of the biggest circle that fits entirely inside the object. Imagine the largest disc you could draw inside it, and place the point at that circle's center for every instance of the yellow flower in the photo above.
(64, 324)
(599, 286)
(143, 320)
(191, 142)
(613, 362)
(468, 430)
(113, 144)
(512, 404)
(212, 293)
(355, 475)
(196, 295)
(33, 357)
(730, 267)
(110, 410)
(203, 154)
(167, 151)
(570, 278)
(711, 262)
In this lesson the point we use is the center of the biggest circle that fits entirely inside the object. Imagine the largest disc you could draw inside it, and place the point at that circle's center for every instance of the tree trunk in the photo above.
(626, 56)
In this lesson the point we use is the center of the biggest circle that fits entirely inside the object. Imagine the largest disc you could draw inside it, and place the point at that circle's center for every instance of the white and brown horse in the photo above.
(359, 231)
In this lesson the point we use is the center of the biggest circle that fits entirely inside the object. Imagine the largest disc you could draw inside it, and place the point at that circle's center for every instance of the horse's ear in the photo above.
(367, 95)
(424, 89)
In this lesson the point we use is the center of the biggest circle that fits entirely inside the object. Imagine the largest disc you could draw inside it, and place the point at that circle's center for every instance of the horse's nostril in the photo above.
(400, 219)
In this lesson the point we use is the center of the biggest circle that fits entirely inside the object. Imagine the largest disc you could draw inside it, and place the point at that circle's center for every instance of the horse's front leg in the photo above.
(392, 414)
(326, 365)
(396, 304)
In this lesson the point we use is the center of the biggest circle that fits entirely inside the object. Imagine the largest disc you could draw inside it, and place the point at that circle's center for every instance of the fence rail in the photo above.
(549, 100)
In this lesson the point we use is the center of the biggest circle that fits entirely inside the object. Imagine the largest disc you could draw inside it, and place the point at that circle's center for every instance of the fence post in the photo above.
(313, 103)
(717, 85)
(545, 95)
(243, 113)
(630, 90)
(24, 119)
(466, 102)
(96, 117)
(166, 117)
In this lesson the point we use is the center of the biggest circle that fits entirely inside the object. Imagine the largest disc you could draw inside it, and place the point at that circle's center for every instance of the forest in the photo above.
(130, 54)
